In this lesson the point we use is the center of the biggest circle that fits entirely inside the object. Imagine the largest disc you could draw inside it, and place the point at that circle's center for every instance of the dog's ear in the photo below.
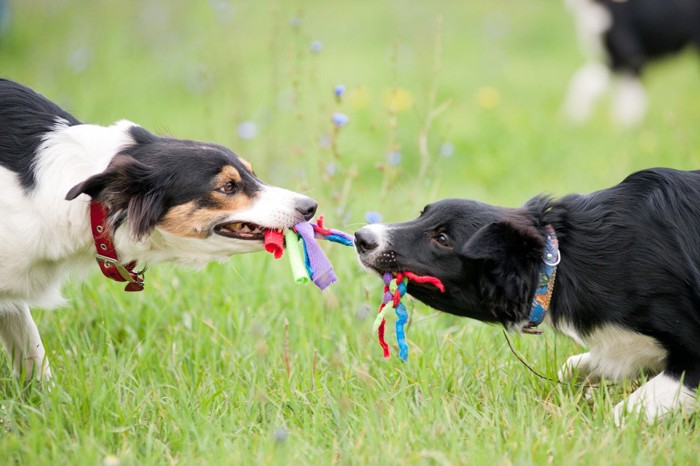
(507, 252)
(127, 188)
(503, 240)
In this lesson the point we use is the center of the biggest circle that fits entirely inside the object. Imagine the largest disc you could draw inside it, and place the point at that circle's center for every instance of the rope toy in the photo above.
(395, 284)
(306, 258)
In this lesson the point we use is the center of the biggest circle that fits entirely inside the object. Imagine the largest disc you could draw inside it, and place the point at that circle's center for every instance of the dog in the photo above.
(617, 270)
(621, 37)
(69, 190)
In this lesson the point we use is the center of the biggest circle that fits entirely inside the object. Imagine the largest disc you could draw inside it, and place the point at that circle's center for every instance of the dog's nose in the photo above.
(307, 208)
(365, 240)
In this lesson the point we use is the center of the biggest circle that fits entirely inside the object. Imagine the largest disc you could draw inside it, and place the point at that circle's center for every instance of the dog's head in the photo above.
(487, 257)
(199, 195)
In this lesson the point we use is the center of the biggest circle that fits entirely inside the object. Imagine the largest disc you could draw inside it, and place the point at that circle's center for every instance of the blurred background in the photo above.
(442, 98)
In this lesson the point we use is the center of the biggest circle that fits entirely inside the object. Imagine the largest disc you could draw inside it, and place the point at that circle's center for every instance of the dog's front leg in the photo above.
(629, 101)
(656, 398)
(21, 339)
(587, 86)
(579, 367)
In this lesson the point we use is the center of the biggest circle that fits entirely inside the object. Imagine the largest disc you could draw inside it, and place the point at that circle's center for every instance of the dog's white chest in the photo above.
(616, 353)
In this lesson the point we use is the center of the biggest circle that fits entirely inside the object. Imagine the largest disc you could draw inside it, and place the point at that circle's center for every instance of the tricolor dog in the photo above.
(617, 270)
(71, 192)
(621, 37)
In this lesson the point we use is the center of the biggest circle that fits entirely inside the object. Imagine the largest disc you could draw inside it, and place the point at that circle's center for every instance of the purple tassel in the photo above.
(323, 275)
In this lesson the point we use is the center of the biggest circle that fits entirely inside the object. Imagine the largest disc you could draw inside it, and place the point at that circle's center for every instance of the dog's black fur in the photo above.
(630, 258)
(25, 116)
(144, 180)
(643, 30)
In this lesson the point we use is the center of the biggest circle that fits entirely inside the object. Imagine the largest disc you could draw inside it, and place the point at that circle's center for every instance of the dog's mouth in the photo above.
(381, 263)
(241, 230)
(390, 265)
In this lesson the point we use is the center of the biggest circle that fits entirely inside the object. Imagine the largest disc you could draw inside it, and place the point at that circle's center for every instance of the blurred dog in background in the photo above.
(621, 37)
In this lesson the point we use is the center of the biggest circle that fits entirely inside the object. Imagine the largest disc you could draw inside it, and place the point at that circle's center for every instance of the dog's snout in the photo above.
(365, 240)
(306, 207)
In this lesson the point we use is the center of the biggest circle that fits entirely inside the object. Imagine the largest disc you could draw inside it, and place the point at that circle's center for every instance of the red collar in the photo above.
(107, 255)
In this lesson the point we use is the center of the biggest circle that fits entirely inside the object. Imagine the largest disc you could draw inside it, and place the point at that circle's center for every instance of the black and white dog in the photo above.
(68, 188)
(621, 37)
(627, 284)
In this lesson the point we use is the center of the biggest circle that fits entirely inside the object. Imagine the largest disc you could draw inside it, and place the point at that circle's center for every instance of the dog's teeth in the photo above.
(245, 228)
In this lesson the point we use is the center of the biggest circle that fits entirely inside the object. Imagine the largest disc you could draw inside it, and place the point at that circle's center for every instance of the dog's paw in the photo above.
(577, 368)
(655, 399)
(34, 368)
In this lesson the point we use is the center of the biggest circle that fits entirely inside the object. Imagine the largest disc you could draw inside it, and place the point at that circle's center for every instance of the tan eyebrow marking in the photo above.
(228, 173)
(246, 164)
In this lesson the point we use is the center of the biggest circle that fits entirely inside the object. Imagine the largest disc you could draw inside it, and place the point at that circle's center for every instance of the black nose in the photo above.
(365, 240)
(307, 208)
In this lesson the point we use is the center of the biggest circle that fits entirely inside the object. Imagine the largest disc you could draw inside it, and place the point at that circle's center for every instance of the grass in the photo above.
(235, 364)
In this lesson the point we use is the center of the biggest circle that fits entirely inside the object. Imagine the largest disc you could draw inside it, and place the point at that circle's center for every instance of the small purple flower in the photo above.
(340, 119)
(339, 90)
(79, 59)
(316, 46)
(295, 22)
(447, 149)
(394, 157)
(281, 434)
(373, 217)
(247, 130)
(330, 169)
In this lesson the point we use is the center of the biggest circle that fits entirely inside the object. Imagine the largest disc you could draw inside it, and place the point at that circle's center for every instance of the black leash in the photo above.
(524, 362)
(538, 374)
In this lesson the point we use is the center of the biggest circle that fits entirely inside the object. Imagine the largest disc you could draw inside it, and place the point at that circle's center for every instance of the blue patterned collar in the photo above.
(545, 282)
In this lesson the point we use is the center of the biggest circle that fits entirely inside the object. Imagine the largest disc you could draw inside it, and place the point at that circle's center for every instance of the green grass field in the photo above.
(235, 364)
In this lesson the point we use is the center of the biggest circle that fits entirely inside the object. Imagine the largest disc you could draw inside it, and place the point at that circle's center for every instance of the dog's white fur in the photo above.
(616, 354)
(655, 399)
(45, 238)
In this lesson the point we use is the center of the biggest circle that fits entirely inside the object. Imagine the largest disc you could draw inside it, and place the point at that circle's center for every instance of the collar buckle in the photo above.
(545, 282)
(128, 276)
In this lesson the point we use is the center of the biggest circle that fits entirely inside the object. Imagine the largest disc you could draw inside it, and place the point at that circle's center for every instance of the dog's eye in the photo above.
(228, 188)
(442, 239)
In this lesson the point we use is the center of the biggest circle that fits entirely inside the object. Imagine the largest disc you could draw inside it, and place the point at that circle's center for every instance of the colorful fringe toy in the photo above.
(306, 257)
(395, 285)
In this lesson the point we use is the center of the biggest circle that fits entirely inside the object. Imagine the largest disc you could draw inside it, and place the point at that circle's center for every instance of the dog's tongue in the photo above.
(274, 242)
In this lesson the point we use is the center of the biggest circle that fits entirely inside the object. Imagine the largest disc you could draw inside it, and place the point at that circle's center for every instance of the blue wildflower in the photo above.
(316, 46)
(247, 130)
(281, 434)
(447, 149)
(340, 119)
(339, 90)
(79, 59)
(394, 158)
(373, 217)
